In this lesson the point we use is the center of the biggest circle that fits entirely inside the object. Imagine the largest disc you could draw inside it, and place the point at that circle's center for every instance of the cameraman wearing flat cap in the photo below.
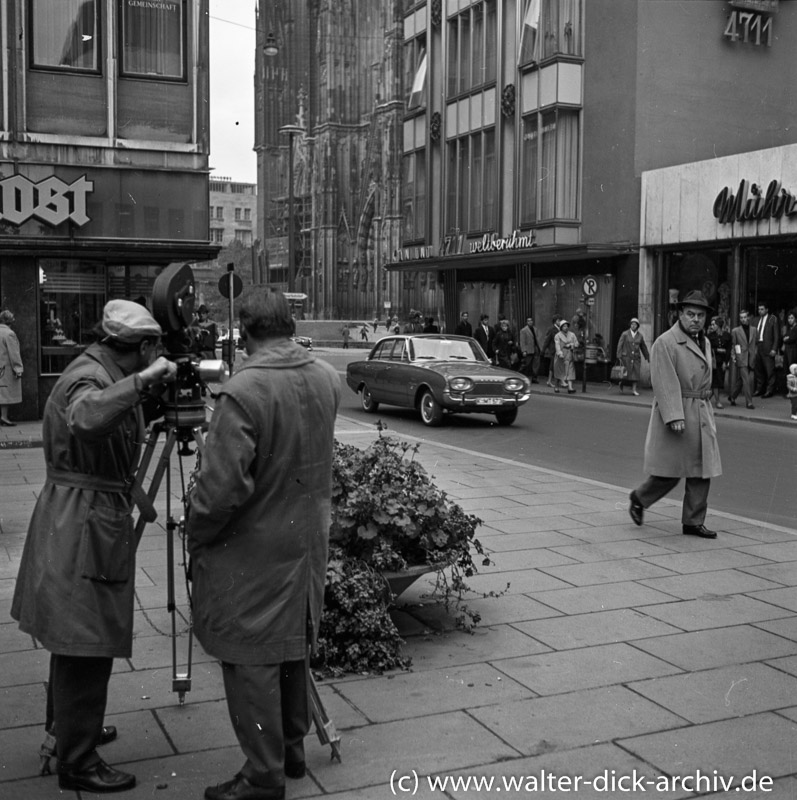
(74, 591)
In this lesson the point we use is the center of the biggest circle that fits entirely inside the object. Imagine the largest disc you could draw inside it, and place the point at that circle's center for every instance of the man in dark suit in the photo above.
(464, 328)
(484, 335)
(767, 342)
(743, 353)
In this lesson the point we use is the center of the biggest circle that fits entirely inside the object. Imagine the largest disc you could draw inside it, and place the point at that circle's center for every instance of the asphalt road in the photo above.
(604, 442)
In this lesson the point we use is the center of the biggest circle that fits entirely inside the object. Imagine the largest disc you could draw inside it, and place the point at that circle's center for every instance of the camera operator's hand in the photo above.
(161, 370)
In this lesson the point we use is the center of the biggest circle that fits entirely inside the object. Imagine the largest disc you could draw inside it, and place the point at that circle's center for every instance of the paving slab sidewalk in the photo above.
(609, 648)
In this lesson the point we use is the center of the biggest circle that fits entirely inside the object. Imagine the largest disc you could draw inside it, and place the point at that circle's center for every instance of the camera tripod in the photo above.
(184, 434)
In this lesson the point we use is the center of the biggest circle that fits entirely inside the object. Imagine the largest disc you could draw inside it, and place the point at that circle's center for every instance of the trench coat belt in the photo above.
(704, 395)
(82, 480)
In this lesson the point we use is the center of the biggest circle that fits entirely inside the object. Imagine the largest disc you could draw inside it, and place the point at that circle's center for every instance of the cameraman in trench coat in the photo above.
(682, 435)
(74, 591)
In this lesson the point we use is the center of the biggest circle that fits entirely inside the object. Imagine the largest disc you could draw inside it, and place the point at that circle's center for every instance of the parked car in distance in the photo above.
(236, 337)
(304, 341)
(437, 373)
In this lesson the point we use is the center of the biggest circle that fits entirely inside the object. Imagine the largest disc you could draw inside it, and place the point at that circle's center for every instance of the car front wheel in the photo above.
(431, 412)
(368, 403)
(506, 417)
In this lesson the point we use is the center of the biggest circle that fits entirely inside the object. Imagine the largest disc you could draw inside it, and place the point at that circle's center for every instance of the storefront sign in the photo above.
(751, 27)
(764, 6)
(50, 200)
(490, 243)
(751, 202)
(413, 253)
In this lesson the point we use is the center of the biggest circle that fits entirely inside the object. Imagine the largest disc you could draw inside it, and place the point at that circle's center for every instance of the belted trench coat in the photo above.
(680, 373)
(74, 591)
(259, 517)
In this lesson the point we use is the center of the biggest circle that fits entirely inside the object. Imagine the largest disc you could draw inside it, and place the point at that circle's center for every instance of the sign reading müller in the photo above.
(751, 202)
(50, 200)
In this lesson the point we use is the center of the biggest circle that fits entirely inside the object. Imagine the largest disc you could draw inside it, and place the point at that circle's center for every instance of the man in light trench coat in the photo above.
(682, 435)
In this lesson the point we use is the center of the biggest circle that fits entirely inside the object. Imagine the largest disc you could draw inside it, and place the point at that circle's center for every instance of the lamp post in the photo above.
(291, 131)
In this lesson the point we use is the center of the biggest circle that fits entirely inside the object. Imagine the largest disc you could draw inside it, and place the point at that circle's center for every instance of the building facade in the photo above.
(233, 212)
(529, 125)
(103, 164)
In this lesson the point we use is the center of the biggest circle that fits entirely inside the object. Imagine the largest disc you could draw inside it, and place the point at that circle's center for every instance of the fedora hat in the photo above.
(695, 298)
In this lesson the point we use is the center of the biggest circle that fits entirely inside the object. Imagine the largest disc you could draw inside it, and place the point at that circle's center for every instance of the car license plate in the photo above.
(489, 401)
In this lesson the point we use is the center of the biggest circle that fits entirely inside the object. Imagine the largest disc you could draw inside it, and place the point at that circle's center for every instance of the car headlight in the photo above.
(460, 384)
(514, 385)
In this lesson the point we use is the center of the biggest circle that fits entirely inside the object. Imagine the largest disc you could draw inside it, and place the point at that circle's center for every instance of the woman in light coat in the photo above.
(630, 350)
(564, 364)
(10, 368)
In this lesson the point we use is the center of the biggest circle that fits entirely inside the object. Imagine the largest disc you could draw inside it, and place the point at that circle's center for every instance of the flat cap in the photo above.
(126, 321)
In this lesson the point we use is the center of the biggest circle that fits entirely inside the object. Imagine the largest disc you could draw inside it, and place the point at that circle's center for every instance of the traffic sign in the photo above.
(295, 295)
(224, 284)
(590, 286)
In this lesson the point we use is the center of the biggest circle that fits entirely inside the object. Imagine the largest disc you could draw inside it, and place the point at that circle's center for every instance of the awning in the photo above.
(532, 255)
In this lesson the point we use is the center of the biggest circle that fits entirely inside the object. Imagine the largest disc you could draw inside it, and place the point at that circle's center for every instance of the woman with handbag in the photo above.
(504, 347)
(630, 350)
(564, 368)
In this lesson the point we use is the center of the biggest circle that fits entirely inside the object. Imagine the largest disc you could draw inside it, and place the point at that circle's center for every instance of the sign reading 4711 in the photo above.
(590, 286)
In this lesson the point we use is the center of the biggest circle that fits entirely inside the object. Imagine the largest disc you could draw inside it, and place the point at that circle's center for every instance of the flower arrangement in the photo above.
(388, 516)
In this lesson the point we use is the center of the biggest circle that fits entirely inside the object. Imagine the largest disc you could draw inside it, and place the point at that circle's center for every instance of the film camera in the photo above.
(173, 299)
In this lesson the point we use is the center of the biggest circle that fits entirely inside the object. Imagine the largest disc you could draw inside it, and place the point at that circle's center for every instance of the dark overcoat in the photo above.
(630, 349)
(74, 591)
(258, 525)
(680, 373)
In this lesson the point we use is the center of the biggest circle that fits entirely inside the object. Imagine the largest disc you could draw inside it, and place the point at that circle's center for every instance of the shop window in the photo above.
(72, 296)
(415, 68)
(705, 270)
(65, 34)
(550, 165)
(561, 296)
(550, 28)
(472, 184)
(414, 195)
(153, 38)
(472, 48)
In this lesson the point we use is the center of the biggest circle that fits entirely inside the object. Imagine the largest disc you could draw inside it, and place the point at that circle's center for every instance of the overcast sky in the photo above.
(232, 67)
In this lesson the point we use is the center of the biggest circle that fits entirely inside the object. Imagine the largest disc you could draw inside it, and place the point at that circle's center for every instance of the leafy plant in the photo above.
(388, 515)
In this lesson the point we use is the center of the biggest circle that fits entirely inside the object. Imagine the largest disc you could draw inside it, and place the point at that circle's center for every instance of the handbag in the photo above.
(618, 372)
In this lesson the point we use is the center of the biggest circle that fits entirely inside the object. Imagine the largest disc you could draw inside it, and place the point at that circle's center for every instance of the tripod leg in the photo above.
(157, 476)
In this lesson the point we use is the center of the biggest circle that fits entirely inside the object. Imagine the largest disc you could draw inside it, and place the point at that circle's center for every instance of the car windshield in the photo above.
(445, 350)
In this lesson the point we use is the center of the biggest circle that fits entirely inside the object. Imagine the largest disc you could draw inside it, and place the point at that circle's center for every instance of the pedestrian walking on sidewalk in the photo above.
(346, 334)
(720, 340)
(76, 580)
(549, 350)
(10, 368)
(682, 435)
(743, 349)
(564, 369)
(791, 386)
(258, 529)
(630, 350)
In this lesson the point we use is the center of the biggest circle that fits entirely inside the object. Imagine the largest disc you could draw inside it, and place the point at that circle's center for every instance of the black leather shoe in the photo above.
(239, 788)
(768, 394)
(757, 394)
(99, 778)
(636, 509)
(109, 734)
(732, 401)
(295, 769)
(750, 406)
(699, 530)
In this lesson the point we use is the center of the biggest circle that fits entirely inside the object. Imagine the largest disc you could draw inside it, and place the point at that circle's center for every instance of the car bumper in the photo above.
(464, 401)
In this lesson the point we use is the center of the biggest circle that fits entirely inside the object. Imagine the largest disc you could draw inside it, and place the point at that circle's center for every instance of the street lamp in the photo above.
(291, 131)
